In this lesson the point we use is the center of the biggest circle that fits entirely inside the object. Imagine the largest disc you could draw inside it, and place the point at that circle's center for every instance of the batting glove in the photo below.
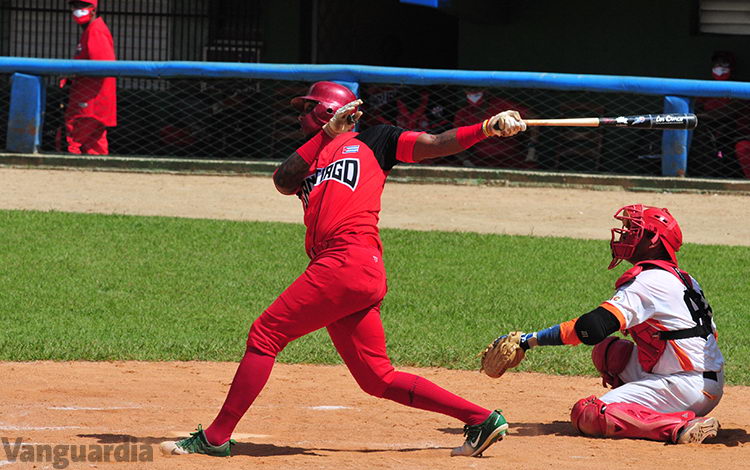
(344, 120)
(505, 124)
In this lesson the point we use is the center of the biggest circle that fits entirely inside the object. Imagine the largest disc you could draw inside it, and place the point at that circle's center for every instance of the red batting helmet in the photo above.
(329, 97)
(636, 219)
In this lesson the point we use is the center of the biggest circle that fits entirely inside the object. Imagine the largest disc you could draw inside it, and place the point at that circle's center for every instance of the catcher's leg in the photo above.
(593, 417)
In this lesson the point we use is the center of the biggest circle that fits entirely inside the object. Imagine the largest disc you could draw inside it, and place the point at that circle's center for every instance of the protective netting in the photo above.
(252, 119)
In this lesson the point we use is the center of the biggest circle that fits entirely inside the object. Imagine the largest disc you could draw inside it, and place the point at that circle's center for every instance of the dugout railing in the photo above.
(204, 110)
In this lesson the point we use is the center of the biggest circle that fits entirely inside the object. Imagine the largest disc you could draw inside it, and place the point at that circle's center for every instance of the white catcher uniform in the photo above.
(677, 381)
(671, 375)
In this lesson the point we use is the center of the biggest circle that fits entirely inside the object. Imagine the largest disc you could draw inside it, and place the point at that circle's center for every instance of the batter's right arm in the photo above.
(289, 175)
(451, 142)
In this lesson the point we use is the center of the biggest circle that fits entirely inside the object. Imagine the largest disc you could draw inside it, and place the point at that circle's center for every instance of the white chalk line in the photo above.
(4, 427)
(93, 408)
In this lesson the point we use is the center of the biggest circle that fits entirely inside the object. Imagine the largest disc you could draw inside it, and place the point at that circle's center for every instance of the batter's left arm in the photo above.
(289, 175)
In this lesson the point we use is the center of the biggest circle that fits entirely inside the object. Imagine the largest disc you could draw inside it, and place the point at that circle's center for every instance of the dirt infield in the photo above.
(123, 409)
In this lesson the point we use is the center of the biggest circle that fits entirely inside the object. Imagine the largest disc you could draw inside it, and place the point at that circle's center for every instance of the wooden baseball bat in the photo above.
(640, 121)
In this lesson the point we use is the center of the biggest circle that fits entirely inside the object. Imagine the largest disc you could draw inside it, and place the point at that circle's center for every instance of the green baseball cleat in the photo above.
(197, 444)
(480, 436)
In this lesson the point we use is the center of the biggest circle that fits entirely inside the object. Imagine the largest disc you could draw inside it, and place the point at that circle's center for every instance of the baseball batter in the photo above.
(339, 176)
(667, 381)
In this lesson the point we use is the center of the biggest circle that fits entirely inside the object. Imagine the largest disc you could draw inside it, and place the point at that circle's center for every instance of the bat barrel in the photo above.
(641, 121)
(653, 121)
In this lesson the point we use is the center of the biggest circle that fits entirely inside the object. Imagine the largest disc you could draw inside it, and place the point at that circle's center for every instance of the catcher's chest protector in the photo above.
(651, 340)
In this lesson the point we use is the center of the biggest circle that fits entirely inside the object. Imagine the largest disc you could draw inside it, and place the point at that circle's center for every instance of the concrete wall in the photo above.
(637, 37)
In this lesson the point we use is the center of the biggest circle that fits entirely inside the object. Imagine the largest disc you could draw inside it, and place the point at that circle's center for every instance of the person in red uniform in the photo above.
(721, 146)
(92, 103)
(339, 176)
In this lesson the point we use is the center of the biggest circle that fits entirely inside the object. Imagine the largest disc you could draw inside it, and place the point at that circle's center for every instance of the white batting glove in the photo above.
(344, 120)
(505, 124)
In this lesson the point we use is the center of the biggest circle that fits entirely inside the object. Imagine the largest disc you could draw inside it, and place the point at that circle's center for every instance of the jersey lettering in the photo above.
(344, 171)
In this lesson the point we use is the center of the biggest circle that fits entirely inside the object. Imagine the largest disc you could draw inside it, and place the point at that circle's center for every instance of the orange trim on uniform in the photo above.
(682, 356)
(568, 332)
(616, 312)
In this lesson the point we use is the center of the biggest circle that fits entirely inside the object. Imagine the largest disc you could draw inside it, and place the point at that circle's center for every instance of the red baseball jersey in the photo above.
(341, 194)
(94, 97)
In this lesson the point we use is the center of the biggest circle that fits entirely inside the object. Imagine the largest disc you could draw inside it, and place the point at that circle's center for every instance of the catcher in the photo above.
(667, 380)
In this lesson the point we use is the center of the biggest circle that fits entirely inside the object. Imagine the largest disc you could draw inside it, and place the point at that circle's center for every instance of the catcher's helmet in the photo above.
(636, 219)
(329, 97)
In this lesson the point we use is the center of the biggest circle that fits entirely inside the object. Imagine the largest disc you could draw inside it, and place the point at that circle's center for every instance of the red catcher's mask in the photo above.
(328, 98)
(636, 220)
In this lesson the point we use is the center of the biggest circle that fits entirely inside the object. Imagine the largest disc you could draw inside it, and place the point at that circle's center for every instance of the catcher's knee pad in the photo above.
(593, 417)
(610, 358)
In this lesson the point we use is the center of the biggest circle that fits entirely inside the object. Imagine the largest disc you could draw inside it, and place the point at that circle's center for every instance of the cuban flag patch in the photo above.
(350, 149)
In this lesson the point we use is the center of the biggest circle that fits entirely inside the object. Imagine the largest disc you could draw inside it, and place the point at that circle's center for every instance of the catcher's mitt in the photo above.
(502, 354)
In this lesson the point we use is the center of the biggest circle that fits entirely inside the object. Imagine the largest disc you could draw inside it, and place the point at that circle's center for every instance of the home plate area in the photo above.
(115, 414)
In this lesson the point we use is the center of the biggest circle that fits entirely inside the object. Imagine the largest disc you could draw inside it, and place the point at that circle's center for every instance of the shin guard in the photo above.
(593, 417)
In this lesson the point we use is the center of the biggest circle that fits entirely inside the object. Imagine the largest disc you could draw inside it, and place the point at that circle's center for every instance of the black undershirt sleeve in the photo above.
(383, 141)
(596, 325)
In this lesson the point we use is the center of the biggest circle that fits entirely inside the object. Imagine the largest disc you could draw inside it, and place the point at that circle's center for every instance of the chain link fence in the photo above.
(253, 120)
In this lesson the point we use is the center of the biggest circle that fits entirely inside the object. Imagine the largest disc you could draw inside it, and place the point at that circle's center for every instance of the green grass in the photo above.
(106, 287)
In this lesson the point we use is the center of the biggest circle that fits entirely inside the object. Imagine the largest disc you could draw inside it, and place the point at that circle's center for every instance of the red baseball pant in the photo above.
(341, 289)
(86, 136)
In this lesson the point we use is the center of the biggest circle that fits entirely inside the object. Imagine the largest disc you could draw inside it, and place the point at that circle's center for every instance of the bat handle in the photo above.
(528, 124)
(497, 125)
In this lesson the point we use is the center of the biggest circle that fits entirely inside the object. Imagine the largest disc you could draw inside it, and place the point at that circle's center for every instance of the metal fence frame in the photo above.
(677, 93)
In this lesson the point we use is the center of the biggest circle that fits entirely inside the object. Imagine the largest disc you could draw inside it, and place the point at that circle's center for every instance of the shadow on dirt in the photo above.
(247, 448)
(555, 428)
